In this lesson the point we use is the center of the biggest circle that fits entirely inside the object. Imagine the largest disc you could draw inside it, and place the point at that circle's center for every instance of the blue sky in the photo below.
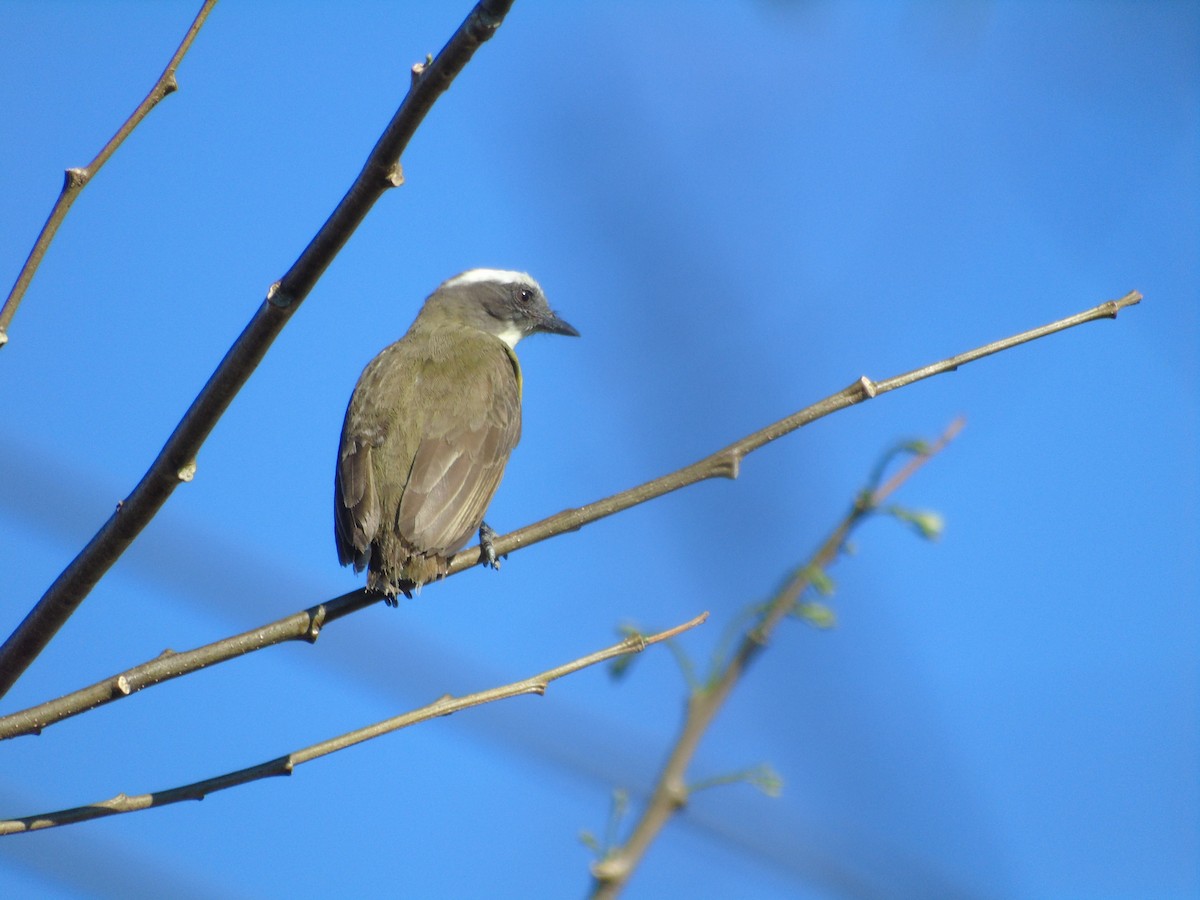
(743, 207)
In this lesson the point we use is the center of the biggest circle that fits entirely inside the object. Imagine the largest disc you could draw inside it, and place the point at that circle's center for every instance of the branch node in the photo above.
(635, 641)
(122, 686)
(314, 625)
(418, 69)
(732, 466)
(171, 85)
(117, 802)
(187, 471)
(394, 177)
(279, 298)
(613, 869)
(74, 179)
(676, 792)
(867, 386)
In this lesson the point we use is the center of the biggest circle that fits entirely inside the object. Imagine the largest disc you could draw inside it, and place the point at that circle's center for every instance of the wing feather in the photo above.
(461, 458)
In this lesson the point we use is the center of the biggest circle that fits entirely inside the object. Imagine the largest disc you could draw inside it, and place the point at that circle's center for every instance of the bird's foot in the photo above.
(392, 597)
(377, 584)
(486, 536)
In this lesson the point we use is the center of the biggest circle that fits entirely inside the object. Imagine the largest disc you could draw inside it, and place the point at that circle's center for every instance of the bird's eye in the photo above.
(525, 295)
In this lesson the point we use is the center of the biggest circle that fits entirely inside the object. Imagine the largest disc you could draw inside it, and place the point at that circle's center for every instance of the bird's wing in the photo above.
(461, 458)
(355, 501)
(357, 504)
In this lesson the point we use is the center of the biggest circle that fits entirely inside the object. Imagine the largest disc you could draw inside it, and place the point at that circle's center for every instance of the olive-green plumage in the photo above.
(430, 427)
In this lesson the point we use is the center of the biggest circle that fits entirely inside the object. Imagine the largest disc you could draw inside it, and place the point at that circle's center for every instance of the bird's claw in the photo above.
(486, 536)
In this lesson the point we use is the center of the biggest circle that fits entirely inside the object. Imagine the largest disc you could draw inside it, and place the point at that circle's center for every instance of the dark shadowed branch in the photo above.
(305, 625)
(77, 179)
(284, 765)
(176, 461)
(671, 791)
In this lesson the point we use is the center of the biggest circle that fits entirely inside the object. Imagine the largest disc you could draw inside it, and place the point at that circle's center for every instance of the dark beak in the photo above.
(552, 324)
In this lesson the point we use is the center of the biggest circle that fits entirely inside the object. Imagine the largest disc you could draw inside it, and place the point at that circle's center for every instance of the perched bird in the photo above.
(429, 428)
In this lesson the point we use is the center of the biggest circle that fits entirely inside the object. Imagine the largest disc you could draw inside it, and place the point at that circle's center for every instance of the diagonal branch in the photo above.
(671, 791)
(176, 462)
(726, 463)
(284, 765)
(306, 625)
(301, 626)
(77, 179)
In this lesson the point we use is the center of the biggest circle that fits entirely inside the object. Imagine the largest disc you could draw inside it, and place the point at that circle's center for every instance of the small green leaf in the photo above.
(766, 779)
(816, 614)
(820, 581)
(619, 667)
(762, 777)
(928, 524)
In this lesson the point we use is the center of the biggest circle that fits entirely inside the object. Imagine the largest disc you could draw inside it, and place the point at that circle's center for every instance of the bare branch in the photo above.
(671, 791)
(176, 462)
(299, 625)
(726, 463)
(77, 179)
(284, 765)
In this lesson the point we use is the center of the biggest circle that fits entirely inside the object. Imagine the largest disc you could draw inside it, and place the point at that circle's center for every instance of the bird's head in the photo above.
(509, 305)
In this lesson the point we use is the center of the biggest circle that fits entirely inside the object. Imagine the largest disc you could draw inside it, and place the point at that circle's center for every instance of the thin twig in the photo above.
(176, 462)
(671, 791)
(284, 765)
(297, 625)
(77, 179)
(727, 462)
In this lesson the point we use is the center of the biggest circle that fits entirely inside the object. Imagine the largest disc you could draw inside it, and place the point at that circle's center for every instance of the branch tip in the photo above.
(1115, 306)
(678, 629)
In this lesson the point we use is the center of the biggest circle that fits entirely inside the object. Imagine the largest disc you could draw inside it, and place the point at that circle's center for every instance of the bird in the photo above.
(429, 429)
